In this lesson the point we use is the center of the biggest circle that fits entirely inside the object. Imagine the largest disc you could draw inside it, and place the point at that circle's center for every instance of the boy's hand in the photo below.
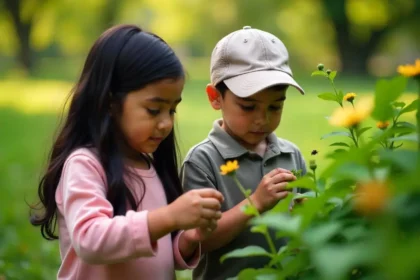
(272, 189)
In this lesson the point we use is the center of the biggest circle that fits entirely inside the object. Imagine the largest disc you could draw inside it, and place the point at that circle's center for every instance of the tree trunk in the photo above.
(353, 55)
(23, 31)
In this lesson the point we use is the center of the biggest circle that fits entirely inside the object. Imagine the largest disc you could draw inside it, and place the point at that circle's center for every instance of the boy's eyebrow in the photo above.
(255, 100)
(162, 100)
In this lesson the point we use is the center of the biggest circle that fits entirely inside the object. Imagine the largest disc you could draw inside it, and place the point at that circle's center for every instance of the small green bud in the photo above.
(320, 67)
(328, 71)
(312, 165)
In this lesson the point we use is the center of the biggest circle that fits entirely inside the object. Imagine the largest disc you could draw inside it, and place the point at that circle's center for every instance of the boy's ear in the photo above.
(214, 96)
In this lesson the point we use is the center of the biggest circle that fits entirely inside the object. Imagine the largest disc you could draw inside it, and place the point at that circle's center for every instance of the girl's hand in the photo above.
(200, 234)
(196, 209)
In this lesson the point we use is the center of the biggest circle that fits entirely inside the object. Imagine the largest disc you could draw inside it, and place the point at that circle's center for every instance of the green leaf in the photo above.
(321, 183)
(304, 195)
(280, 221)
(411, 127)
(340, 144)
(293, 265)
(340, 188)
(340, 95)
(303, 182)
(411, 137)
(248, 192)
(355, 232)
(319, 73)
(399, 104)
(353, 171)
(412, 107)
(256, 274)
(334, 261)
(249, 251)
(386, 92)
(249, 210)
(336, 201)
(336, 133)
(332, 75)
(318, 235)
(259, 229)
(405, 159)
(283, 205)
(309, 210)
(359, 132)
(401, 129)
(328, 96)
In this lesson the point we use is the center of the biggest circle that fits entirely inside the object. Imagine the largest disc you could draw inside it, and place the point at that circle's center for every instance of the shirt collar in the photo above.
(229, 148)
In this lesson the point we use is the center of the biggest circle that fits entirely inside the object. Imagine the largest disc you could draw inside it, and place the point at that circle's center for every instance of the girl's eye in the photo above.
(172, 111)
(247, 108)
(153, 112)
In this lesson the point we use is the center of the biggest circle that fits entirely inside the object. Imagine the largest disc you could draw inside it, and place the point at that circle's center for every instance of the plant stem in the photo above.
(266, 233)
(335, 90)
(353, 137)
(418, 122)
(316, 185)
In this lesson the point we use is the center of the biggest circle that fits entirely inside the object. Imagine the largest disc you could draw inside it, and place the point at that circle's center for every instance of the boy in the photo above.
(249, 78)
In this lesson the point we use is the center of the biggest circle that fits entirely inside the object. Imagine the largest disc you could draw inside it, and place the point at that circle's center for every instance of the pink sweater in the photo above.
(96, 245)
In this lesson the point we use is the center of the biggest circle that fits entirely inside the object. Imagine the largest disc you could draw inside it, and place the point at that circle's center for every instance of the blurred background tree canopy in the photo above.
(353, 36)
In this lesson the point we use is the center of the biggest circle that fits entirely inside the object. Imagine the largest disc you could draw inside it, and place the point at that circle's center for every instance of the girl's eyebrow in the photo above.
(163, 100)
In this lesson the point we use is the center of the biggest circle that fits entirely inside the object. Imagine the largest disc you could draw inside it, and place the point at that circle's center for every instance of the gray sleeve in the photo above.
(194, 177)
(302, 164)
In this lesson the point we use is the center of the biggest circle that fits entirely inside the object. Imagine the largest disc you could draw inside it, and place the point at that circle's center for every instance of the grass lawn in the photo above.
(28, 117)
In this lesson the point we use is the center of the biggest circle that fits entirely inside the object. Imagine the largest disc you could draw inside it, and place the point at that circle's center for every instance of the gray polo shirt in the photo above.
(201, 168)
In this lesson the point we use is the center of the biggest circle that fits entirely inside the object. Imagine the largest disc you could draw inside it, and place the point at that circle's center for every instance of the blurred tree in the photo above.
(361, 25)
(22, 14)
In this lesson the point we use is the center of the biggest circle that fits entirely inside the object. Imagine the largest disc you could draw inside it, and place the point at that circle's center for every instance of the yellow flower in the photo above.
(349, 117)
(410, 70)
(349, 96)
(382, 124)
(371, 197)
(229, 168)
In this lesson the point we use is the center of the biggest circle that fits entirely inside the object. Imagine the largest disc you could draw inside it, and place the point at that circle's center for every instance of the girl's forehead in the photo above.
(165, 91)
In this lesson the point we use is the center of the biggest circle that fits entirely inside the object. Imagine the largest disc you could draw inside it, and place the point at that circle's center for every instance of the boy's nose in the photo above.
(262, 118)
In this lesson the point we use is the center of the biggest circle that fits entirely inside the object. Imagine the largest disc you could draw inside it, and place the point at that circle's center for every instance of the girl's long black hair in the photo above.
(124, 58)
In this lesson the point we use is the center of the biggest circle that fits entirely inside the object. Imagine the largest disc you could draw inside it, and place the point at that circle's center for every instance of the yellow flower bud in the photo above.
(382, 124)
(410, 70)
(349, 97)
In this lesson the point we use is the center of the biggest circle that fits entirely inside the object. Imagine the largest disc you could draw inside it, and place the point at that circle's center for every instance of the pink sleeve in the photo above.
(180, 263)
(96, 235)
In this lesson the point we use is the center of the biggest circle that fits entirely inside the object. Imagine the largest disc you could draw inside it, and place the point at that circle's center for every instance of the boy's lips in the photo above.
(259, 132)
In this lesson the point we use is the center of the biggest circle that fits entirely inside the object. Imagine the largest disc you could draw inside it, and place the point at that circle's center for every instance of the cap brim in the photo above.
(250, 83)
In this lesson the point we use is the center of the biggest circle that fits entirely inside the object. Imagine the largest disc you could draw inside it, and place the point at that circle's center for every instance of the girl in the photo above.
(112, 181)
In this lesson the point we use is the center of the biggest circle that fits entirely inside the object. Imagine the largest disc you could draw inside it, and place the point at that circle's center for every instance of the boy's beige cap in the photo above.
(250, 60)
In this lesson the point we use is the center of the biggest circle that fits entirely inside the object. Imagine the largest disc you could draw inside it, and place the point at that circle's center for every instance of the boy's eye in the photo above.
(275, 108)
(153, 112)
(247, 108)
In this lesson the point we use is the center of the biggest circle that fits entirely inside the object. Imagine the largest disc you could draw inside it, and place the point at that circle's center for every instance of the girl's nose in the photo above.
(165, 123)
